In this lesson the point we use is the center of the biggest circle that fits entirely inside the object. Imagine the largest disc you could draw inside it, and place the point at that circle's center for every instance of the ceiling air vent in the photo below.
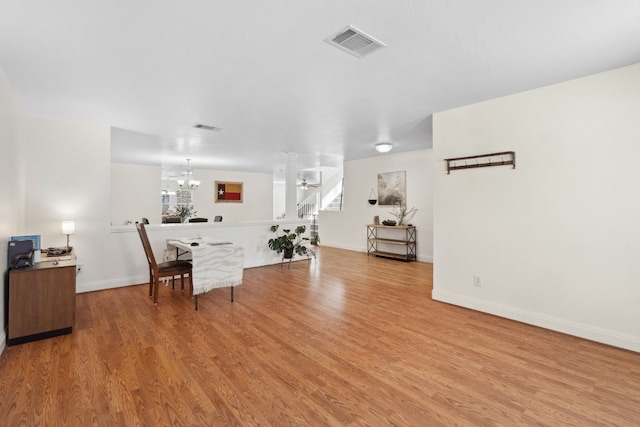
(206, 127)
(355, 42)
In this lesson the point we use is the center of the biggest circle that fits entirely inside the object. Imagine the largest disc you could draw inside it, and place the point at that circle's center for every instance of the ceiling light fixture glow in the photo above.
(384, 147)
(189, 183)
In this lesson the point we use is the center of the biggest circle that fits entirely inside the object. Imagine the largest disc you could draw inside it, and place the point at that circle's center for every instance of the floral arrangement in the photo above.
(185, 211)
(402, 213)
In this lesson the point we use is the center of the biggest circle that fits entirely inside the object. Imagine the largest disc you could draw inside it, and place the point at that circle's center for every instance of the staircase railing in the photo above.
(331, 189)
(317, 199)
(310, 205)
(332, 200)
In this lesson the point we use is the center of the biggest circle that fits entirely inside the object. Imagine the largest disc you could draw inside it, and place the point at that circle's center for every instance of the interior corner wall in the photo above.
(12, 182)
(555, 240)
(279, 203)
(346, 229)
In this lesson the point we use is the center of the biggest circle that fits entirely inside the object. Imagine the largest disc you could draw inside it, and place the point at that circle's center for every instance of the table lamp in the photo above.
(68, 227)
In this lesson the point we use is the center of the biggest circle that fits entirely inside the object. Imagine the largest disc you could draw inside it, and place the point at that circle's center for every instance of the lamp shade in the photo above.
(384, 147)
(68, 227)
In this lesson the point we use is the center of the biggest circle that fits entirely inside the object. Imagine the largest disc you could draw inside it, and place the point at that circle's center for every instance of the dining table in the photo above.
(215, 263)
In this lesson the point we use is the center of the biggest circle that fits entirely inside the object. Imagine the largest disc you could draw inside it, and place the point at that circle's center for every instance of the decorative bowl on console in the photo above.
(389, 222)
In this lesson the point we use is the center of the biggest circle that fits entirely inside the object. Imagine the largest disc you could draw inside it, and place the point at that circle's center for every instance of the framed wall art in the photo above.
(392, 188)
(228, 192)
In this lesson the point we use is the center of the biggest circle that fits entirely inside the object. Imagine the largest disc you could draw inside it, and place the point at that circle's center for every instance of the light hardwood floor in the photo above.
(344, 340)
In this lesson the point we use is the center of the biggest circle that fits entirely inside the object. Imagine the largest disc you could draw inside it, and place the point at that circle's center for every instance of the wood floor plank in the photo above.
(341, 340)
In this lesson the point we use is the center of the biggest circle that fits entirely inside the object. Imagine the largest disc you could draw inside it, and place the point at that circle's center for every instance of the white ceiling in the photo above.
(261, 71)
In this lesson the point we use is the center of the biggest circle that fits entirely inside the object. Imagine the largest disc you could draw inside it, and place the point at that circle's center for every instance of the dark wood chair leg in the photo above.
(156, 284)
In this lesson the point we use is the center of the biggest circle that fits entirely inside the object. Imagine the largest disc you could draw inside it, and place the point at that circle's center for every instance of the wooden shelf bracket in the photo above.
(482, 161)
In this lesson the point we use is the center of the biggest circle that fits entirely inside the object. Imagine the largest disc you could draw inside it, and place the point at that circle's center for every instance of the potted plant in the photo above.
(289, 243)
(185, 212)
(402, 213)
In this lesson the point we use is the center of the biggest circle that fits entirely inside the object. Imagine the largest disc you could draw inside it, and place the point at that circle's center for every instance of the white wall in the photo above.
(556, 240)
(257, 202)
(346, 229)
(135, 193)
(12, 182)
(53, 170)
(59, 170)
(68, 178)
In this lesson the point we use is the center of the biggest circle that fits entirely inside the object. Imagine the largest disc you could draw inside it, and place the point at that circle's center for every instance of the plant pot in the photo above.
(288, 253)
(372, 201)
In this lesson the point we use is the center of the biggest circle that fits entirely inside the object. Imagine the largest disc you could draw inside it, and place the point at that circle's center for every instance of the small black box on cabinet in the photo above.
(20, 253)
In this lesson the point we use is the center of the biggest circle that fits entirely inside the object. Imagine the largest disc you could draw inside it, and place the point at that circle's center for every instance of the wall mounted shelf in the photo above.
(482, 161)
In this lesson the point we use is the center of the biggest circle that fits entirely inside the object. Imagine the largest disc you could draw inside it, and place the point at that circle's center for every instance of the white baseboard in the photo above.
(346, 247)
(425, 258)
(589, 332)
(420, 257)
(110, 284)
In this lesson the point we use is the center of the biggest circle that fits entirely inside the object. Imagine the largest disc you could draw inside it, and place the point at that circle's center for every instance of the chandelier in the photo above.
(189, 183)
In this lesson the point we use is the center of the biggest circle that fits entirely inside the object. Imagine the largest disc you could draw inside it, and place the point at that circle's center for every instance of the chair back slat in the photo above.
(147, 246)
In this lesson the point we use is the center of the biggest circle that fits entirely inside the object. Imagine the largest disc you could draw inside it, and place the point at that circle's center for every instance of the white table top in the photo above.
(216, 263)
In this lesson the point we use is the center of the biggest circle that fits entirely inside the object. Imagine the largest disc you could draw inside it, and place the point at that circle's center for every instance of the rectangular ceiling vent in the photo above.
(206, 127)
(355, 42)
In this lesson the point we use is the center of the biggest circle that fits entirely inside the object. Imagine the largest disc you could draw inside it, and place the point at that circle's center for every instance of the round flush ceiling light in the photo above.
(384, 147)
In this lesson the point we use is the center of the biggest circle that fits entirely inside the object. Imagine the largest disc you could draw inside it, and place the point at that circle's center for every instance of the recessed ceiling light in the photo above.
(384, 147)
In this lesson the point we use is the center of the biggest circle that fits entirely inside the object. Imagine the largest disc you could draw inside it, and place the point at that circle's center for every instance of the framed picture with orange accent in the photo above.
(228, 192)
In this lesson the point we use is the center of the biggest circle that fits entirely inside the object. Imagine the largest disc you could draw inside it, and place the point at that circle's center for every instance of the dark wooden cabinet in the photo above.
(42, 301)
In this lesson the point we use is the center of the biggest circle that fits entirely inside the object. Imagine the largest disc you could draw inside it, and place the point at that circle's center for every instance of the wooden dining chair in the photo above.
(164, 269)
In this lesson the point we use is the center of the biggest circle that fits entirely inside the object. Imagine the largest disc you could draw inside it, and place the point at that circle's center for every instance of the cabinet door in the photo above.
(41, 300)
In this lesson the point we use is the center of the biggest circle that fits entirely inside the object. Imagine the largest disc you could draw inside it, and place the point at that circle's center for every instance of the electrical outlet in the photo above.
(79, 268)
(477, 280)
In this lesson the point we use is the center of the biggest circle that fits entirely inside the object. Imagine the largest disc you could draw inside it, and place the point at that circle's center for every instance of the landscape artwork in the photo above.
(392, 188)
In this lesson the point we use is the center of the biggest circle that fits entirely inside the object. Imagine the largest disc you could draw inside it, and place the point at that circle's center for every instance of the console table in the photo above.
(42, 300)
(384, 240)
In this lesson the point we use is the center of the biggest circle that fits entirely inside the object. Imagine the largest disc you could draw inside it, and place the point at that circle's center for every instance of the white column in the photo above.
(291, 195)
